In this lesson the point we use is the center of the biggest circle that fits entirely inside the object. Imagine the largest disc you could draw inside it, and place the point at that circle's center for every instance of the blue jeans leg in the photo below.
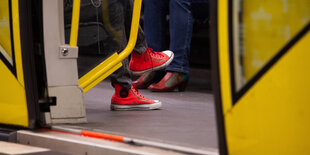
(181, 27)
(155, 12)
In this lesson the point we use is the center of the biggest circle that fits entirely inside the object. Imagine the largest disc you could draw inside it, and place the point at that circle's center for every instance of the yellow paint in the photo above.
(110, 66)
(223, 47)
(5, 34)
(13, 104)
(87, 82)
(75, 22)
(16, 37)
(268, 25)
(273, 116)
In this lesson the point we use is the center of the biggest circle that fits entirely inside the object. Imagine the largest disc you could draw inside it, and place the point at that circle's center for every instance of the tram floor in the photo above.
(185, 119)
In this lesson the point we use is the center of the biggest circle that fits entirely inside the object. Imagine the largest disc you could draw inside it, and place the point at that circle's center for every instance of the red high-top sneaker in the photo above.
(131, 100)
(149, 61)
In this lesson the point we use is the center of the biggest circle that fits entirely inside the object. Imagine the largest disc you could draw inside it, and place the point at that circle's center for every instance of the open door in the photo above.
(18, 95)
(261, 63)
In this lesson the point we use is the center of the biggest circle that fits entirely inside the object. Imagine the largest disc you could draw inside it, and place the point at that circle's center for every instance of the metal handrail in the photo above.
(100, 72)
(75, 22)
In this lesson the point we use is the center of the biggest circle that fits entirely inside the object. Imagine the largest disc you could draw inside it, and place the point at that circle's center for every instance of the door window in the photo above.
(6, 43)
(259, 33)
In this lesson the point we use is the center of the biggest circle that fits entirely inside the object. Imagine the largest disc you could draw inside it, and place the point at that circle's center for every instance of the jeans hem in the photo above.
(177, 70)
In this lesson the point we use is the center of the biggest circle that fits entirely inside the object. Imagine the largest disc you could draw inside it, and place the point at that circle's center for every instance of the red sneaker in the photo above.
(149, 61)
(131, 100)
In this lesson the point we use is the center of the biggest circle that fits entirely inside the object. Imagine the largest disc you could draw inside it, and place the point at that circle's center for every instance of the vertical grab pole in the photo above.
(75, 22)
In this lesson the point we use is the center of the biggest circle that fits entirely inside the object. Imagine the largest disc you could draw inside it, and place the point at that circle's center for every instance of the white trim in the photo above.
(5, 54)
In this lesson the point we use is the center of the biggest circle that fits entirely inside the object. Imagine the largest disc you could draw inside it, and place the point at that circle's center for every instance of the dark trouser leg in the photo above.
(123, 75)
(141, 44)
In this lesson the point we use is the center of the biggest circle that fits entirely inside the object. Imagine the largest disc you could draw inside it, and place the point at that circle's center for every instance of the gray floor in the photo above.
(186, 118)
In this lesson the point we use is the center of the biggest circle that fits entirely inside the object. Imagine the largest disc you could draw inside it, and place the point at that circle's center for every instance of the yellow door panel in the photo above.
(223, 49)
(269, 112)
(273, 116)
(13, 103)
(16, 40)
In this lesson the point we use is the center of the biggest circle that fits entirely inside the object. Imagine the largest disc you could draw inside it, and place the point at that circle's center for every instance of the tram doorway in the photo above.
(186, 118)
(51, 82)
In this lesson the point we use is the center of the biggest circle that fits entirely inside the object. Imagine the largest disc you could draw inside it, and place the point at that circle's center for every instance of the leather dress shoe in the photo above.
(170, 82)
(144, 80)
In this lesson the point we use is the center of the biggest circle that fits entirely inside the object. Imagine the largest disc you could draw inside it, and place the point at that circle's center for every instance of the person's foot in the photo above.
(131, 100)
(170, 82)
(144, 80)
(149, 61)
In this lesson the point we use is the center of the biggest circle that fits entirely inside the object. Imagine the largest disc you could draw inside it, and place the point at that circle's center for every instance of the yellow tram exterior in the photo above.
(13, 104)
(261, 52)
(263, 68)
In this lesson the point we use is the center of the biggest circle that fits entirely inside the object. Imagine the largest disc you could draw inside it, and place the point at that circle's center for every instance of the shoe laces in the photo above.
(135, 91)
(151, 52)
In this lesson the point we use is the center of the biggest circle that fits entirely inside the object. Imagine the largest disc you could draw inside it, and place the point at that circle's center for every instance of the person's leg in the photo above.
(126, 96)
(118, 25)
(181, 27)
(113, 14)
(141, 43)
(155, 24)
(143, 59)
(155, 28)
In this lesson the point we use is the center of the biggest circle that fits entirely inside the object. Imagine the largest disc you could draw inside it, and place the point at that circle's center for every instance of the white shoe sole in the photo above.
(152, 106)
(162, 66)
